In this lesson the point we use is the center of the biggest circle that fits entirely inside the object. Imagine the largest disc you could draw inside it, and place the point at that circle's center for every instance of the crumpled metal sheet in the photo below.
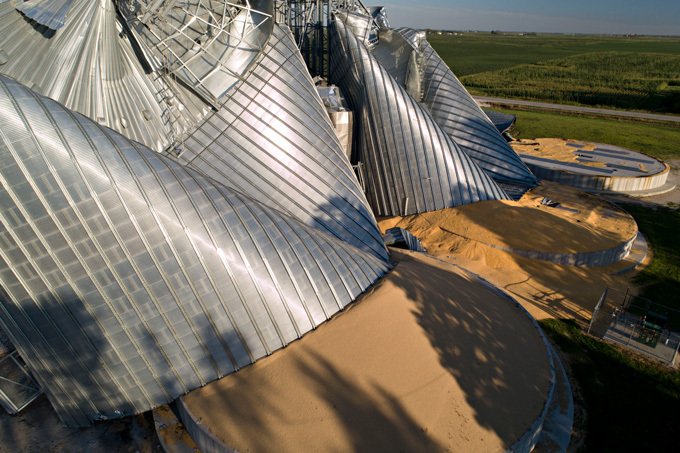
(208, 44)
(268, 136)
(126, 279)
(398, 58)
(91, 66)
(360, 22)
(379, 15)
(273, 140)
(502, 121)
(412, 164)
(454, 109)
(50, 13)
(400, 237)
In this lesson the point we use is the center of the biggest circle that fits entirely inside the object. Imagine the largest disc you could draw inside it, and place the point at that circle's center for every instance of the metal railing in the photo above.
(17, 388)
(637, 323)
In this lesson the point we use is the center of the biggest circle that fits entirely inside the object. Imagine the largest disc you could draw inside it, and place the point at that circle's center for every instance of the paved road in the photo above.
(648, 116)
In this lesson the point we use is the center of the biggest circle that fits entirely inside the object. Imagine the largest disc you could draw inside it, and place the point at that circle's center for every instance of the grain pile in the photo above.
(555, 149)
(545, 289)
(524, 225)
(428, 360)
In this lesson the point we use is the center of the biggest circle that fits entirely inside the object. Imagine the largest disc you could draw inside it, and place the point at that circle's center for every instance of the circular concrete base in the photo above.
(172, 434)
(432, 358)
(551, 222)
(595, 167)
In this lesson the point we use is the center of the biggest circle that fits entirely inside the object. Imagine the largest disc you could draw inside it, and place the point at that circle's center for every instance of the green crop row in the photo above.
(472, 53)
(632, 73)
(632, 81)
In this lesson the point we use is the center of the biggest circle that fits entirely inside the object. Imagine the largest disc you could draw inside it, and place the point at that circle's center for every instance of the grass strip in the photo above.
(630, 404)
(656, 140)
(660, 281)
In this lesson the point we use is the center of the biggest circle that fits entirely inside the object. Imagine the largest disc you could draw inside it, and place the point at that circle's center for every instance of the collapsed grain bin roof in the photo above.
(272, 139)
(412, 164)
(215, 85)
(128, 279)
(90, 65)
(454, 109)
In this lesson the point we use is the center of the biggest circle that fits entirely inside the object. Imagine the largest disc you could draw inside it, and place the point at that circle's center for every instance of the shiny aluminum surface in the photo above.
(128, 280)
(412, 164)
(254, 121)
(379, 14)
(208, 44)
(273, 140)
(50, 13)
(454, 109)
(91, 66)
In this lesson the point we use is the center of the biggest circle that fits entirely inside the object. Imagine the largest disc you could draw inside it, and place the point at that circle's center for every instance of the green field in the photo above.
(641, 73)
(657, 140)
(477, 52)
(660, 281)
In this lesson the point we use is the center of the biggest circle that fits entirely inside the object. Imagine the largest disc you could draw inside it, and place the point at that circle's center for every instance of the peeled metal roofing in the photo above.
(358, 19)
(412, 36)
(127, 280)
(268, 135)
(50, 13)
(399, 237)
(209, 44)
(502, 121)
(412, 164)
(91, 66)
(273, 140)
(396, 55)
(454, 109)
(379, 16)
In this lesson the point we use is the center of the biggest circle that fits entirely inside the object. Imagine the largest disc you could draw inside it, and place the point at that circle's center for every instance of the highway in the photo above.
(571, 108)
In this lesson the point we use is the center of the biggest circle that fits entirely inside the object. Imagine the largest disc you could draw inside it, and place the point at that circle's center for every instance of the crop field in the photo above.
(618, 72)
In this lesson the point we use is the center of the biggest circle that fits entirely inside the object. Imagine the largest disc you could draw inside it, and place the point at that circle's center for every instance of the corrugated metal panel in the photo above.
(454, 109)
(128, 280)
(273, 140)
(412, 164)
(207, 44)
(268, 136)
(50, 13)
(90, 66)
(400, 237)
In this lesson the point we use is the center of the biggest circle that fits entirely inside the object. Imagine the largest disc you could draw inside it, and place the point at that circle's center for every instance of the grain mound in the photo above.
(587, 224)
(428, 360)
(545, 289)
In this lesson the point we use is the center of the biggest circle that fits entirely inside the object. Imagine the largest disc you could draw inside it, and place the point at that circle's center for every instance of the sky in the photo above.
(649, 17)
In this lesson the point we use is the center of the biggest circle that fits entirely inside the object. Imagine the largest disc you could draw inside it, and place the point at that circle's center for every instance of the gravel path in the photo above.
(573, 108)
